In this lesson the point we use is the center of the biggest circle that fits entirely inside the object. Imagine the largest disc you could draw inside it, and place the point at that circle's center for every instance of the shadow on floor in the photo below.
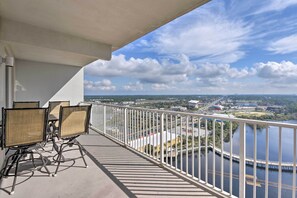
(135, 175)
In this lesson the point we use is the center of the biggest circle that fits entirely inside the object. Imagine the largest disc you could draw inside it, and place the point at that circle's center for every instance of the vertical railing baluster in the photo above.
(231, 159)
(141, 130)
(280, 162)
(267, 161)
(161, 139)
(135, 128)
(206, 151)
(129, 126)
(176, 139)
(150, 133)
(119, 125)
(193, 148)
(114, 123)
(294, 164)
(187, 145)
(181, 144)
(242, 156)
(214, 152)
(166, 137)
(132, 128)
(138, 130)
(199, 151)
(154, 129)
(104, 120)
(222, 156)
(125, 127)
(147, 131)
(157, 135)
(171, 140)
(255, 162)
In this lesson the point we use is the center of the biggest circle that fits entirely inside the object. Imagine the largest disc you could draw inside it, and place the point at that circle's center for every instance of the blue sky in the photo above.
(222, 47)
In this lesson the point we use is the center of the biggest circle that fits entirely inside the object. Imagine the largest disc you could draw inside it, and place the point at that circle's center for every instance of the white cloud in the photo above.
(160, 87)
(274, 70)
(276, 5)
(165, 72)
(206, 34)
(209, 70)
(147, 70)
(280, 75)
(133, 86)
(284, 45)
(104, 85)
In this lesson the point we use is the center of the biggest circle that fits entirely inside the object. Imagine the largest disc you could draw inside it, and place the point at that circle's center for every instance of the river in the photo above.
(287, 156)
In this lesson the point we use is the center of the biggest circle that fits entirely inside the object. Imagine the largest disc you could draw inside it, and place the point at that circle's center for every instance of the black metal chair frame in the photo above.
(70, 141)
(20, 152)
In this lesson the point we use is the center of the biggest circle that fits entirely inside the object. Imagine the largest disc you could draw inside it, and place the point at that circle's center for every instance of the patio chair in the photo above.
(54, 107)
(53, 113)
(25, 104)
(73, 122)
(22, 129)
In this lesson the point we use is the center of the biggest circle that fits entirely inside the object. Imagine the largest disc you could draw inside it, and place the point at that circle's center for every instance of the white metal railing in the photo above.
(195, 145)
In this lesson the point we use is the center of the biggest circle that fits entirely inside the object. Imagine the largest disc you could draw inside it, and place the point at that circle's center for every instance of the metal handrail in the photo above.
(239, 120)
(141, 128)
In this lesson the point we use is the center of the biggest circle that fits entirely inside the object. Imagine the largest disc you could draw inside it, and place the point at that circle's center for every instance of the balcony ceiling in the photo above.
(111, 22)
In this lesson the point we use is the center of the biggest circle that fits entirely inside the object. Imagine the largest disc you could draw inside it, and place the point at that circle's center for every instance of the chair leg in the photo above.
(3, 171)
(44, 163)
(82, 154)
(59, 159)
(15, 173)
(7, 151)
(14, 158)
(32, 158)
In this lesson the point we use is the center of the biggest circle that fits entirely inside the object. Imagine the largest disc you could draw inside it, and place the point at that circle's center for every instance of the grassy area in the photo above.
(253, 115)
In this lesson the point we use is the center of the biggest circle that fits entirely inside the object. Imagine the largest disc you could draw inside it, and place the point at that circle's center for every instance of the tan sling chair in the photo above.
(25, 104)
(73, 122)
(22, 129)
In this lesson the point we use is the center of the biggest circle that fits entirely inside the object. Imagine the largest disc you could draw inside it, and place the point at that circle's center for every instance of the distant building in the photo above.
(259, 109)
(193, 104)
(275, 109)
(246, 104)
(216, 107)
(178, 108)
(154, 140)
(128, 102)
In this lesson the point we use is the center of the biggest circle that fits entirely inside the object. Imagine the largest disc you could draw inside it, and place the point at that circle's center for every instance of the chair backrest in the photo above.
(54, 107)
(26, 104)
(23, 126)
(74, 120)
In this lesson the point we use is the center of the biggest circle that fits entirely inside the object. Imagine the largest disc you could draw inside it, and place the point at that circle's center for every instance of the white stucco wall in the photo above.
(46, 81)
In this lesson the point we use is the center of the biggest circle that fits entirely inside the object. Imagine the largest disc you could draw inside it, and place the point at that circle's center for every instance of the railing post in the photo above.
(242, 155)
(125, 128)
(161, 140)
(91, 115)
(104, 120)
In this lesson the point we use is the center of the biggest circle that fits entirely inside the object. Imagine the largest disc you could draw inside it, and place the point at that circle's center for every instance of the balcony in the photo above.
(138, 152)
(113, 171)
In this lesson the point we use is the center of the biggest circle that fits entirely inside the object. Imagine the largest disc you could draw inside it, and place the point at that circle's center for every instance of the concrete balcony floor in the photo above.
(113, 171)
